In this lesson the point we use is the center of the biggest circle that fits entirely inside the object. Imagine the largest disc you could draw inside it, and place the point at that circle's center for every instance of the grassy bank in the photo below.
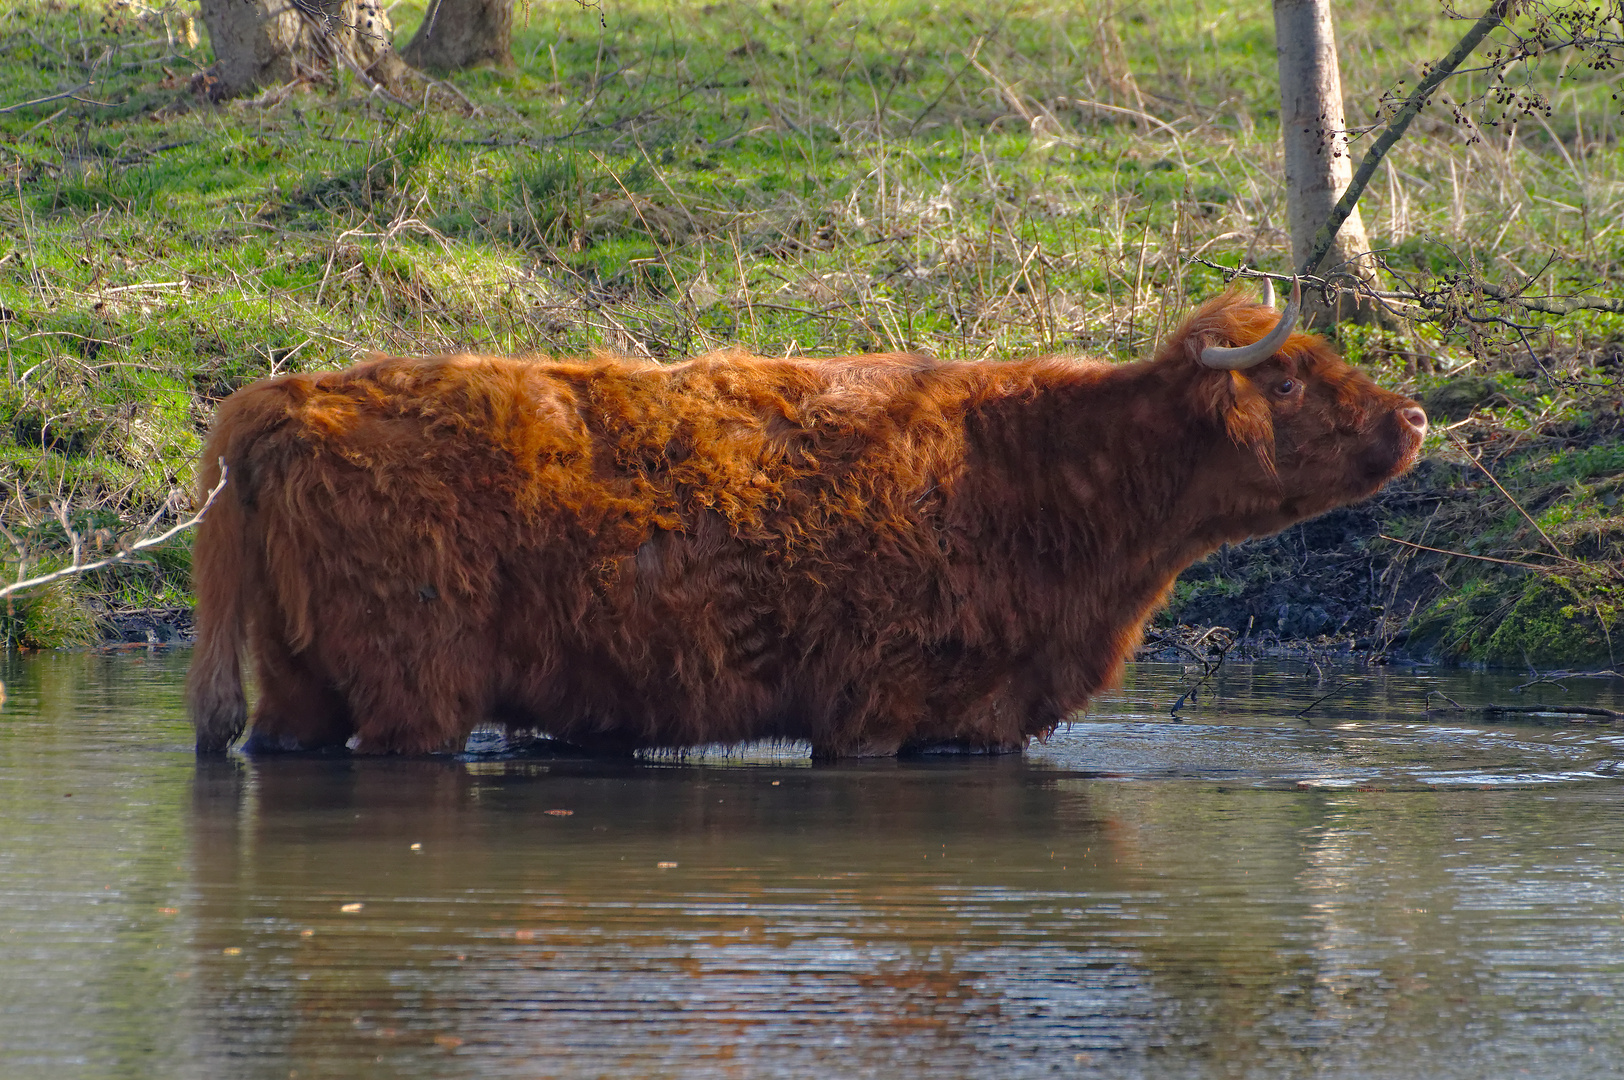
(793, 178)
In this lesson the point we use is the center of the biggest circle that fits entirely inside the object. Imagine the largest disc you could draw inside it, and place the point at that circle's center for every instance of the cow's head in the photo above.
(1305, 431)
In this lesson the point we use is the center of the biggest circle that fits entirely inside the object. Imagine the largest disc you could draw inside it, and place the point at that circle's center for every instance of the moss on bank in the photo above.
(1528, 621)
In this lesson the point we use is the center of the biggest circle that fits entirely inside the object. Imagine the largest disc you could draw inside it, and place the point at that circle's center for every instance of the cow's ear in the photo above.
(1232, 400)
(1248, 419)
(1243, 411)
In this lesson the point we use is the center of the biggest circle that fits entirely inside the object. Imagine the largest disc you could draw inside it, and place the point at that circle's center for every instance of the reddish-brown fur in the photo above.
(872, 553)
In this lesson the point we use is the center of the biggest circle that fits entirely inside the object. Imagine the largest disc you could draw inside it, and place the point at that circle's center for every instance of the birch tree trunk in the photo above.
(1318, 168)
(461, 33)
(265, 43)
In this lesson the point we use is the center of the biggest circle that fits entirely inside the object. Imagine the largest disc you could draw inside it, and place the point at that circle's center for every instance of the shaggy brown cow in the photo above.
(876, 554)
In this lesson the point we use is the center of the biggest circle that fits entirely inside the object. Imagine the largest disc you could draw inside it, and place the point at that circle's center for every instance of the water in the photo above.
(1365, 892)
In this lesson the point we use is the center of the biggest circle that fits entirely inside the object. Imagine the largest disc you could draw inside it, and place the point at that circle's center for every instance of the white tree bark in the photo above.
(1314, 131)
(265, 43)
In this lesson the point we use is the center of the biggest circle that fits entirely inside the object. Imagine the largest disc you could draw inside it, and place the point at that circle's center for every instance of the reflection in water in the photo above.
(1244, 893)
(841, 916)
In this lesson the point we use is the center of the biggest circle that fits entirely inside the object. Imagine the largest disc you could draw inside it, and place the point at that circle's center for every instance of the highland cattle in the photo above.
(876, 554)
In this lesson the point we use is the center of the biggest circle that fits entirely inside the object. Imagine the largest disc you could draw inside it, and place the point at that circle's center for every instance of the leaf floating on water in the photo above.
(450, 1042)
(525, 935)
(666, 865)
(560, 813)
(231, 950)
(351, 909)
(168, 911)
(307, 932)
(417, 847)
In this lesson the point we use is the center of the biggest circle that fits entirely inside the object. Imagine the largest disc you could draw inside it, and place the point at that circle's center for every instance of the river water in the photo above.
(1364, 891)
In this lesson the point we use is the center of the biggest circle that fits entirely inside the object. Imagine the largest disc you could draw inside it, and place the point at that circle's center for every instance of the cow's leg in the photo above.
(417, 694)
(298, 708)
(873, 721)
(950, 747)
(395, 714)
(867, 748)
(915, 748)
(606, 746)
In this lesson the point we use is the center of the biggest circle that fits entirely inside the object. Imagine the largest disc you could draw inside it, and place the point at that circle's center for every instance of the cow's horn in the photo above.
(1268, 292)
(1241, 357)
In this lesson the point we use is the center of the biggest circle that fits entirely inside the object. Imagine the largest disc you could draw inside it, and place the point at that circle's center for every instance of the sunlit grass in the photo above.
(664, 178)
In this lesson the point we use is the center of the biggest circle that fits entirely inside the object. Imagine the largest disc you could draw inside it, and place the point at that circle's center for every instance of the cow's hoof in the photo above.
(260, 745)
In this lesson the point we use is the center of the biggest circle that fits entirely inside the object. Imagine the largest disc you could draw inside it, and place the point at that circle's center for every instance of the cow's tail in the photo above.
(214, 691)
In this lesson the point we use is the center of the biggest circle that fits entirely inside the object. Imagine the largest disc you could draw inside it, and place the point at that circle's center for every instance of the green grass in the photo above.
(665, 178)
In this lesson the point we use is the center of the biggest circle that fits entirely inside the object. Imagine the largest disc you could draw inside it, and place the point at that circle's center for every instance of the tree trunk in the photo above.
(265, 43)
(1318, 168)
(461, 33)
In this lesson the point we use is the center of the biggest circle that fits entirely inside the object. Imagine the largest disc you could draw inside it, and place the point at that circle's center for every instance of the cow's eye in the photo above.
(1286, 387)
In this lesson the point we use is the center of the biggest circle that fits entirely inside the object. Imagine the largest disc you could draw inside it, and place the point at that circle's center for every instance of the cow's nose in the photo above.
(1416, 417)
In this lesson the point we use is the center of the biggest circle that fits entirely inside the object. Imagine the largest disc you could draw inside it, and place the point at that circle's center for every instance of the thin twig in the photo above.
(1333, 691)
(1209, 668)
(1485, 470)
(1553, 710)
(123, 556)
(1464, 555)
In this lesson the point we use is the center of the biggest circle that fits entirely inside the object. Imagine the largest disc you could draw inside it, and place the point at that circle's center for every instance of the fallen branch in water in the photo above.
(1554, 678)
(125, 555)
(1557, 710)
(1550, 710)
(1333, 692)
(1223, 639)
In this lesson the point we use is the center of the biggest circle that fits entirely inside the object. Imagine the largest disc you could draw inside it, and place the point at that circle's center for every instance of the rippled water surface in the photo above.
(1365, 891)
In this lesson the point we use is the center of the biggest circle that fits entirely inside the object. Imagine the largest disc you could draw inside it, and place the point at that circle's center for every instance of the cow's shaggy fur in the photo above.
(874, 553)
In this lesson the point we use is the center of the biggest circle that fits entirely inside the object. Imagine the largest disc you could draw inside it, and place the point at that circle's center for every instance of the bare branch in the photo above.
(123, 556)
(1395, 131)
(41, 101)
